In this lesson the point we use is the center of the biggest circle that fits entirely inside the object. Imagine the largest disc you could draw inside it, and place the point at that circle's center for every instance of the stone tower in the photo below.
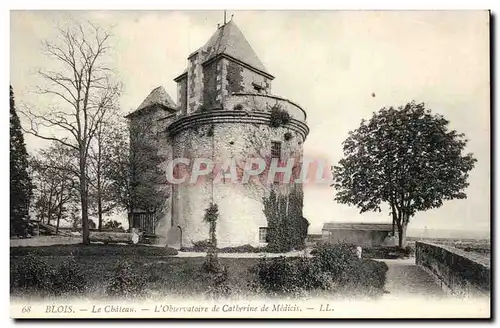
(224, 112)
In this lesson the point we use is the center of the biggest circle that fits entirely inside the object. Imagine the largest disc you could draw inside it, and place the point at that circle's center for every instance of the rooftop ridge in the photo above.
(229, 40)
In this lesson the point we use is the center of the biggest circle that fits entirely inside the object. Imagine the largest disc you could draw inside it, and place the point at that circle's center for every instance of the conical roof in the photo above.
(158, 97)
(229, 40)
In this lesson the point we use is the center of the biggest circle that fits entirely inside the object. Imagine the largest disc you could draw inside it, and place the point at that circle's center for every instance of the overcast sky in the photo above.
(328, 62)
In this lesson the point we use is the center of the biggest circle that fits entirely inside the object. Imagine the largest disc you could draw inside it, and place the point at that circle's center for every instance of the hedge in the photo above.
(93, 250)
(334, 268)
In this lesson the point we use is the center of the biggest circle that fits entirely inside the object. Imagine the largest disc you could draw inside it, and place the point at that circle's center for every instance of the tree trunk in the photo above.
(213, 239)
(393, 226)
(99, 210)
(130, 220)
(99, 187)
(59, 217)
(113, 237)
(84, 200)
(402, 235)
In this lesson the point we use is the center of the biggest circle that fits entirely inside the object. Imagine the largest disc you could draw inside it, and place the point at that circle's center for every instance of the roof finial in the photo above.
(224, 17)
(232, 16)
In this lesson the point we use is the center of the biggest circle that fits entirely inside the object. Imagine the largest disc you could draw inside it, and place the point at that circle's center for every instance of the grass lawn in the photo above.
(159, 274)
(164, 275)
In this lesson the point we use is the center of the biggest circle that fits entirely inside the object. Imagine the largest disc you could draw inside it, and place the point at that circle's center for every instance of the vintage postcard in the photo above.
(250, 164)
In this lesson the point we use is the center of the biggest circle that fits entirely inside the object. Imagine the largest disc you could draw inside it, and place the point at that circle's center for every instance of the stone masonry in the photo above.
(223, 111)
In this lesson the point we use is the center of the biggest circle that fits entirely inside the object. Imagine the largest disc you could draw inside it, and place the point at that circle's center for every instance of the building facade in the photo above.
(224, 112)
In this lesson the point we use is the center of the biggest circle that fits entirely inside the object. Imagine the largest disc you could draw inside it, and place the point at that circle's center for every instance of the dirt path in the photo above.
(406, 279)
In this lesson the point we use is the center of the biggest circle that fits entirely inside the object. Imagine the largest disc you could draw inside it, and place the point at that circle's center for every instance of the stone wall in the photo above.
(182, 93)
(262, 102)
(241, 79)
(240, 205)
(208, 84)
(195, 82)
(210, 89)
(462, 273)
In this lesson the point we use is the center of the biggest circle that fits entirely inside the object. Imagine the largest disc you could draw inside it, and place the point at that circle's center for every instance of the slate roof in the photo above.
(357, 226)
(229, 40)
(157, 97)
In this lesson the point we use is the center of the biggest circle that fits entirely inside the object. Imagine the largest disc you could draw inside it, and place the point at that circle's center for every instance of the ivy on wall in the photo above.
(279, 117)
(287, 228)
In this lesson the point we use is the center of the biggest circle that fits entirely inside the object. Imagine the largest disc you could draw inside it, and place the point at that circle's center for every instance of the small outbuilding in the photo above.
(363, 234)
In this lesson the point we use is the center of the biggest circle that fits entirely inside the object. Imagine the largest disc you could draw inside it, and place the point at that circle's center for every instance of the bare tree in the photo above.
(84, 87)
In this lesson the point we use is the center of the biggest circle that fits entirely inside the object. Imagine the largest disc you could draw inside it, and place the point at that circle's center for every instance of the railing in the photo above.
(462, 273)
(263, 102)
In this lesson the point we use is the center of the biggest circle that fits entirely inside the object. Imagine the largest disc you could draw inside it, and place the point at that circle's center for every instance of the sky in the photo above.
(340, 66)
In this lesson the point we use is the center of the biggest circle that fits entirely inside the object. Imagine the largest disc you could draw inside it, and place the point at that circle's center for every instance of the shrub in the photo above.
(409, 251)
(200, 246)
(335, 268)
(126, 282)
(279, 117)
(336, 258)
(32, 273)
(69, 278)
(211, 216)
(241, 249)
(211, 263)
(276, 275)
(369, 274)
(362, 276)
(215, 277)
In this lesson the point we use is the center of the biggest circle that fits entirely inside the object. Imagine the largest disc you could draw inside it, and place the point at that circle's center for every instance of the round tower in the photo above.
(227, 114)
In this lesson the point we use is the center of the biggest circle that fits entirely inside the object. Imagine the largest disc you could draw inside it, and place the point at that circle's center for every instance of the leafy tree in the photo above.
(137, 183)
(82, 90)
(407, 158)
(20, 182)
(55, 176)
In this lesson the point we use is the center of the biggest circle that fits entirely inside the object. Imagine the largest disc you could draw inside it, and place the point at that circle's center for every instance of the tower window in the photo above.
(276, 149)
(263, 235)
(258, 87)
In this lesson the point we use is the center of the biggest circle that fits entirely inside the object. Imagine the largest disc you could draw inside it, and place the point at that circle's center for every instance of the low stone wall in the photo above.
(461, 273)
